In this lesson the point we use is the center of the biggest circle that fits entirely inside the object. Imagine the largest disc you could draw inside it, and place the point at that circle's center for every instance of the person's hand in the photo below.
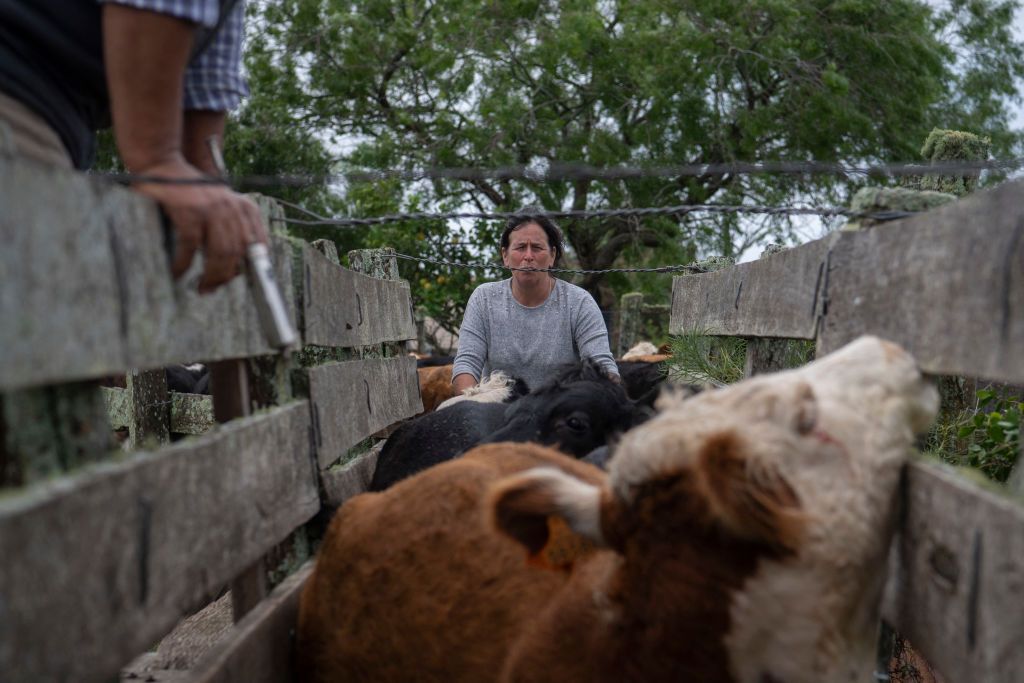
(213, 218)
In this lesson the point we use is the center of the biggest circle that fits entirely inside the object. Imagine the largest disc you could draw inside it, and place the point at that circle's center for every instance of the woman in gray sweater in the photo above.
(531, 323)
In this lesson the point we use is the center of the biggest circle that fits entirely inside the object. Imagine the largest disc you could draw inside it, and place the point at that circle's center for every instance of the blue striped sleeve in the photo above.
(202, 12)
(213, 80)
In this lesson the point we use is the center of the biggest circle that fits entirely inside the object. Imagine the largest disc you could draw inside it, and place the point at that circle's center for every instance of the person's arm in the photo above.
(592, 337)
(473, 336)
(199, 127)
(145, 55)
(463, 381)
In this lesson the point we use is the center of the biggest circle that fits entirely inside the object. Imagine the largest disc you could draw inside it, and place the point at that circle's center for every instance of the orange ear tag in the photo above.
(563, 548)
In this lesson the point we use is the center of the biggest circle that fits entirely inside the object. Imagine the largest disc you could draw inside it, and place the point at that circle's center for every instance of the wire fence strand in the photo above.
(352, 222)
(689, 268)
(568, 171)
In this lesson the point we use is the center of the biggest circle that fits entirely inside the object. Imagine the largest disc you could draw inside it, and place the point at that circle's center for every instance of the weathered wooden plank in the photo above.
(99, 565)
(341, 482)
(169, 321)
(630, 307)
(776, 296)
(957, 586)
(190, 413)
(769, 355)
(259, 647)
(947, 285)
(345, 308)
(87, 289)
(50, 430)
(354, 399)
(59, 300)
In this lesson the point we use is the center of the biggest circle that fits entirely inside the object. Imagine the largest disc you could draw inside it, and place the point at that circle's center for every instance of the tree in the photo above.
(454, 83)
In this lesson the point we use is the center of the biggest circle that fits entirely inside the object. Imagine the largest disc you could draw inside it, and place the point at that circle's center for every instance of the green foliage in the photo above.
(987, 438)
(418, 84)
(267, 137)
(107, 157)
(699, 357)
(955, 145)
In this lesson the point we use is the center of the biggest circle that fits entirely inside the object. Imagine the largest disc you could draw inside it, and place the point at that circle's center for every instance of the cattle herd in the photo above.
(728, 535)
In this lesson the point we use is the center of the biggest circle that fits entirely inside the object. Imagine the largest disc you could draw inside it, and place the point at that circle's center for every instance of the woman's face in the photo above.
(528, 248)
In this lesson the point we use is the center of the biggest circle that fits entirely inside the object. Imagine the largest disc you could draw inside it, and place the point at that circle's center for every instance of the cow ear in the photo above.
(522, 507)
(748, 498)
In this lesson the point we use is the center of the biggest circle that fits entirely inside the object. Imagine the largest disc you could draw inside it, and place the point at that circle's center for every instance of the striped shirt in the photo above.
(213, 80)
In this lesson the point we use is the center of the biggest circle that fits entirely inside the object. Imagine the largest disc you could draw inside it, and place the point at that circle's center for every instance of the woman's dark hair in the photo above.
(535, 214)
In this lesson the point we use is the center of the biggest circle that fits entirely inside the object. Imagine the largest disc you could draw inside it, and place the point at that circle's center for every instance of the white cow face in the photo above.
(803, 463)
(831, 435)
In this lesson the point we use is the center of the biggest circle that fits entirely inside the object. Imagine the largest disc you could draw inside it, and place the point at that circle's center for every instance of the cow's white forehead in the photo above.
(869, 383)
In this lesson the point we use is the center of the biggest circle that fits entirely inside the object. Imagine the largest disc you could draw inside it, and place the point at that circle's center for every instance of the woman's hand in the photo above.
(462, 382)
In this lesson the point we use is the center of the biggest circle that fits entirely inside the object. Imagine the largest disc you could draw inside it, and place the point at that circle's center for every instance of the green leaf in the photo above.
(965, 431)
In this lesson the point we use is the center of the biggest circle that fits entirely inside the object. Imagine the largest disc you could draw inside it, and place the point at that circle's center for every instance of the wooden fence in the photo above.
(102, 552)
(948, 286)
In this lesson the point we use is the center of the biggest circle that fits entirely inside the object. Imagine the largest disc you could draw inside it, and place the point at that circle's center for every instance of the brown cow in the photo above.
(739, 537)
(435, 386)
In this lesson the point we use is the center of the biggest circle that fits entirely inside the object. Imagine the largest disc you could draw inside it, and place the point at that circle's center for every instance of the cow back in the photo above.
(413, 584)
(433, 438)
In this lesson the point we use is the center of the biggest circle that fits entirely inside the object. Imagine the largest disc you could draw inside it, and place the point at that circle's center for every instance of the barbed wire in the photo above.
(558, 171)
(690, 268)
(351, 222)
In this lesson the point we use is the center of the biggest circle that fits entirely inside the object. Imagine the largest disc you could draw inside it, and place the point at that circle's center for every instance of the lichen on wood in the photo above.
(191, 413)
(879, 199)
(50, 430)
(944, 146)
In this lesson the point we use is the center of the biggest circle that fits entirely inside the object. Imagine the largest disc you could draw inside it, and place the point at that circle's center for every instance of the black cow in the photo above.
(434, 361)
(577, 412)
(641, 377)
(188, 379)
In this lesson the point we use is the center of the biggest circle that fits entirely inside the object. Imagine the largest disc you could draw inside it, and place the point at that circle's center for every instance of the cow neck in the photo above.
(534, 296)
(675, 587)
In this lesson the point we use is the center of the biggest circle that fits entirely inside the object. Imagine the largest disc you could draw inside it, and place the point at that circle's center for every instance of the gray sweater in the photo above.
(499, 333)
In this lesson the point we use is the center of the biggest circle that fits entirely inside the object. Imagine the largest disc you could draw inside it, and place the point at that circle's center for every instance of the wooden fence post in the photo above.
(49, 430)
(381, 263)
(230, 387)
(328, 249)
(767, 355)
(149, 403)
(420, 316)
(229, 382)
(630, 309)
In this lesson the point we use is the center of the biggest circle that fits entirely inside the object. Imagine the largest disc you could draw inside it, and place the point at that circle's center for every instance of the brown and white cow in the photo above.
(740, 536)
